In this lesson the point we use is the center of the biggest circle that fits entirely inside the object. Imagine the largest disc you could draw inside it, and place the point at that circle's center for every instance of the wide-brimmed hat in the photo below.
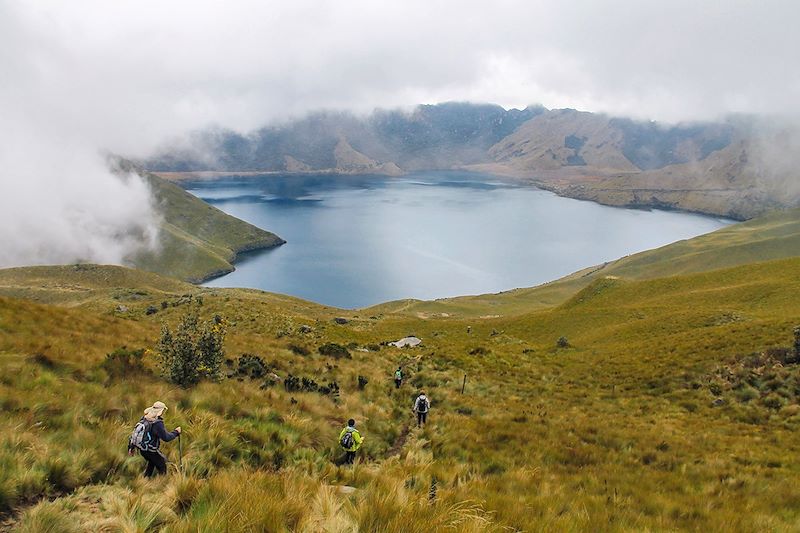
(156, 410)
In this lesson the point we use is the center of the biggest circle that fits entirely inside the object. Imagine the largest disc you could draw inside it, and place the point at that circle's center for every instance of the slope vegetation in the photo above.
(197, 240)
(637, 421)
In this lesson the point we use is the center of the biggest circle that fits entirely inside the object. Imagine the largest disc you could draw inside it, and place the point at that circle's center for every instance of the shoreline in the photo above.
(576, 185)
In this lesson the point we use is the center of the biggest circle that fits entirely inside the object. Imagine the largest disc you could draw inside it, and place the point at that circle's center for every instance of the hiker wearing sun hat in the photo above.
(147, 437)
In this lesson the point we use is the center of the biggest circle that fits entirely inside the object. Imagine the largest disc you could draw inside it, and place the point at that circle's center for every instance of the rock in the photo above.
(718, 402)
(305, 329)
(151, 310)
(122, 309)
(340, 320)
(406, 341)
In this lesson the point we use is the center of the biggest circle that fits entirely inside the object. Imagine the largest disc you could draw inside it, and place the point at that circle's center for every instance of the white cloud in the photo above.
(84, 76)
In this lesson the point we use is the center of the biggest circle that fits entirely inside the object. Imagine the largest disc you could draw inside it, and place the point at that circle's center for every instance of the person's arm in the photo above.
(341, 435)
(416, 404)
(162, 433)
(358, 439)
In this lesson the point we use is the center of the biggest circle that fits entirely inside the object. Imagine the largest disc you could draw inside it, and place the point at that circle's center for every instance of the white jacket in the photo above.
(419, 401)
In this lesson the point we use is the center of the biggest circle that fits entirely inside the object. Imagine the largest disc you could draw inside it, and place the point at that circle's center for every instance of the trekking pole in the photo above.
(463, 385)
(180, 454)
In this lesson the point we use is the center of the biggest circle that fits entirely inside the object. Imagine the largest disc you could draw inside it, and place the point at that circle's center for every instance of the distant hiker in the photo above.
(469, 330)
(147, 437)
(398, 377)
(350, 439)
(421, 406)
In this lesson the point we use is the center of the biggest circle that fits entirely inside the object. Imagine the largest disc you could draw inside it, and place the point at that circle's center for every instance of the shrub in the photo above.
(123, 362)
(252, 366)
(303, 384)
(746, 393)
(562, 342)
(299, 350)
(362, 382)
(480, 350)
(773, 401)
(337, 351)
(193, 352)
(797, 343)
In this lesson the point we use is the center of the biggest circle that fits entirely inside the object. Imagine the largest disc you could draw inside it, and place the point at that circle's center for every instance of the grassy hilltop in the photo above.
(673, 404)
(197, 240)
(772, 236)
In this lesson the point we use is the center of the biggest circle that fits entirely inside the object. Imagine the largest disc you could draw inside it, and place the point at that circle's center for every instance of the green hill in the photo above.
(773, 236)
(197, 240)
(653, 416)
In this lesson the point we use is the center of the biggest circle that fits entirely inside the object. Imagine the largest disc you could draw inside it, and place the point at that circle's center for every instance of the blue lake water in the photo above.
(355, 241)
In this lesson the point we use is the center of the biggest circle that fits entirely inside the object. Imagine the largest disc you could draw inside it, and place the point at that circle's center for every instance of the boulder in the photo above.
(407, 341)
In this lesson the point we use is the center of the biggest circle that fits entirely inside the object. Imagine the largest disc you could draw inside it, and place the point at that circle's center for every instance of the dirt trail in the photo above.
(399, 442)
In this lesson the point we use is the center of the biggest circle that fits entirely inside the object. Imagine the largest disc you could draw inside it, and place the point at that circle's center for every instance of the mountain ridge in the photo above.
(723, 168)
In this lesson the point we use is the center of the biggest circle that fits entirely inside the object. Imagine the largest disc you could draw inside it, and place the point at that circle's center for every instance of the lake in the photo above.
(355, 241)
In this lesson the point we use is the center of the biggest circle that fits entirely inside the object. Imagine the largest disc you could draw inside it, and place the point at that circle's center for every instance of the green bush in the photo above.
(337, 351)
(123, 362)
(252, 366)
(193, 352)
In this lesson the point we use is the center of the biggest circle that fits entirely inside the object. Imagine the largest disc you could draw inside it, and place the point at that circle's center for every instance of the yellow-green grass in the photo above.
(197, 240)
(772, 236)
(615, 433)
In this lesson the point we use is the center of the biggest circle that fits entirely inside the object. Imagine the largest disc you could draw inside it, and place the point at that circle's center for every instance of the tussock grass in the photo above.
(617, 432)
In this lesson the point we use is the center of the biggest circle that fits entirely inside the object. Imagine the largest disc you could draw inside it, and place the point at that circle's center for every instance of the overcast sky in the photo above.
(81, 76)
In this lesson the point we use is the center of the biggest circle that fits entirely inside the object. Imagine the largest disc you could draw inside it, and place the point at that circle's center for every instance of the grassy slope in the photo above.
(773, 236)
(198, 240)
(615, 433)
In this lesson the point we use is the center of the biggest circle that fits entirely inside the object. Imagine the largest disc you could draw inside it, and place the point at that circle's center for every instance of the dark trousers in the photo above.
(397, 383)
(155, 461)
(422, 418)
(349, 457)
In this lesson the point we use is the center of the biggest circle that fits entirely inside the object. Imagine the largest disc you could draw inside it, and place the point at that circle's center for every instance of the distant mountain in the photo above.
(432, 136)
(726, 168)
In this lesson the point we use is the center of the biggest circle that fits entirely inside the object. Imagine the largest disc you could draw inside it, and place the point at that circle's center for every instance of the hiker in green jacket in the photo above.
(350, 439)
(398, 377)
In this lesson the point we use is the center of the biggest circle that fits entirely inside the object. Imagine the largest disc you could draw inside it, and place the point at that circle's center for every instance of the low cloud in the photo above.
(84, 77)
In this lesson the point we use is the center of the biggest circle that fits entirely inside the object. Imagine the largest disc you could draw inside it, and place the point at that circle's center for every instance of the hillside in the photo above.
(738, 168)
(648, 420)
(197, 240)
(772, 236)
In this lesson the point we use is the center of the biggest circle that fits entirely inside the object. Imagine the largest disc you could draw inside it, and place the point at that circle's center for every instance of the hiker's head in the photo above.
(351, 423)
(155, 411)
(422, 393)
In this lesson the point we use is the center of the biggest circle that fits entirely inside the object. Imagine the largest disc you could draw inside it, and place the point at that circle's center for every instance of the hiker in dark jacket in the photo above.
(150, 441)
(421, 406)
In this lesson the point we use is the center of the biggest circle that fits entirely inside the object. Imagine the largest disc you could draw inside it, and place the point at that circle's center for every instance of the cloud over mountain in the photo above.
(81, 78)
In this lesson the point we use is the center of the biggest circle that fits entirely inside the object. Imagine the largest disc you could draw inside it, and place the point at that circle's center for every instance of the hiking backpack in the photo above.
(423, 405)
(347, 440)
(141, 437)
(398, 375)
